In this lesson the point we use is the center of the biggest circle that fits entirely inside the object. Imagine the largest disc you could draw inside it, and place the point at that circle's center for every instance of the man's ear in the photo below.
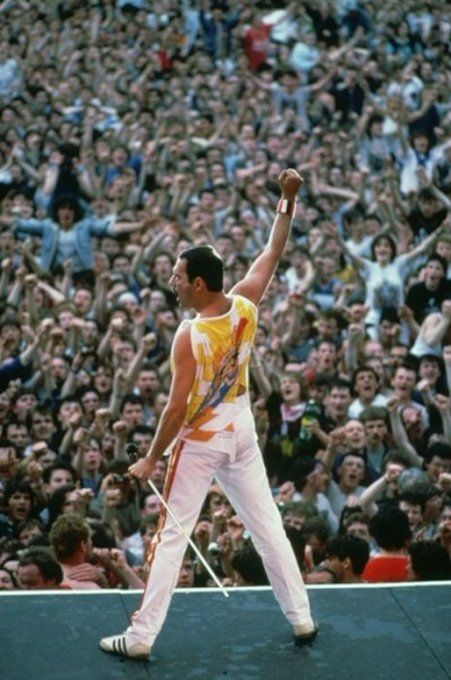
(347, 563)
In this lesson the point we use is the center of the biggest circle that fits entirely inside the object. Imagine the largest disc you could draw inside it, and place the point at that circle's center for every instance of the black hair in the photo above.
(47, 565)
(390, 528)
(363, 369)
(430, 561)
(57, 501)
(18, 486)
(435, 257)
(130, 399)
(380, 238)
(439, 449)
(357, 549)
(58, 465)
(205, 262)
(339, 384)
(248, 563)
(67, 201)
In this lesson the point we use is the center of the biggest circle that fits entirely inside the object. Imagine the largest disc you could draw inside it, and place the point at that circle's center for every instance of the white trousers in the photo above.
(243, 478)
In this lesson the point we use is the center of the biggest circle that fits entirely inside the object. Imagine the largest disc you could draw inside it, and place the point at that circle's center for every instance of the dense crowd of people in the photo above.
(130, 130)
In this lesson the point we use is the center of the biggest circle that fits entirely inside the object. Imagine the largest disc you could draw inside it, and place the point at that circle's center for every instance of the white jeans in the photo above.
(242, 475)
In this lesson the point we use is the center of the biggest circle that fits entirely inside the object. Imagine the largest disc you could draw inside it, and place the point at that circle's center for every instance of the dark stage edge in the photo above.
(369, 632)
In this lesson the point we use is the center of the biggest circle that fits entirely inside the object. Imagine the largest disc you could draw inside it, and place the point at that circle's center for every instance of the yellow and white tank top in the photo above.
(221, 346)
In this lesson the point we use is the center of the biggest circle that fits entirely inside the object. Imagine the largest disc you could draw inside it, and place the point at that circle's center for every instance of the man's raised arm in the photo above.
(259, 276)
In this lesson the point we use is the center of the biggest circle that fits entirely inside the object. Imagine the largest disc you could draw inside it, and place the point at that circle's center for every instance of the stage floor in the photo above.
(369, 632)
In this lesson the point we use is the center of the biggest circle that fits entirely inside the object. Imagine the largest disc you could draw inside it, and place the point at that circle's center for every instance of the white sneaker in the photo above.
(116, 644)
(305, 633)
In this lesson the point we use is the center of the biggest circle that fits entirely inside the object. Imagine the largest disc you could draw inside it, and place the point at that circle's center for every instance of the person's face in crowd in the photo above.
(359, 529)
(28, 533)
(413, 512)
(433, 275)
(90, 333)
(108, 442)
(338, 402)
(83, 301)
(42, 426)
(261, 337)
(327, 356)
(6, 243)
(110, 247)
(18, 435)
(65, 319)
(31, 578)
(10, 335)
(152, 505)
(161, 399)
(186, 574)
(59, 369)
(132, 414)
(377, 365)
(90, 402)
(92, 457)
(157, 300)
(6, 581)
(317, 393)
(433, 508)
(366, 385)
(67, 410)
(355, 435)
(121, 265)
(19, 506)
(327, 328)
(398, 355)
(429, 370)
(57, 479)
(71, 502)
(162, 268)
(159, 473)
(119, 158)
(103, 380)
(421, 144)
(413, 422)
(147, 536)
(351, 472)
(383, 251)
(66, 218)
(4, 405)
(47, 458)
(386, 332)
(290, 389)
(293, 520)
(436, 466)
(143, 441)
(403, 383)
(219, 503)
(428, 206)
(125, 352)
(148, 382)
(443, 248)
(8, 462)
(24, 404)
(375, 431)
(373, 348)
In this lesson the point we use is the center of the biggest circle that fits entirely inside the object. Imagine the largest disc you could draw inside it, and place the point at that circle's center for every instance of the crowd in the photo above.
(132, 129)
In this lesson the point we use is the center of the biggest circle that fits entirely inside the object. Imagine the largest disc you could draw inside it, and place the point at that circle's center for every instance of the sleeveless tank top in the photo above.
(221, 346)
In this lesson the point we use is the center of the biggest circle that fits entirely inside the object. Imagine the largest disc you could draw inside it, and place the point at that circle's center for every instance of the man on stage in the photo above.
(209, 424)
